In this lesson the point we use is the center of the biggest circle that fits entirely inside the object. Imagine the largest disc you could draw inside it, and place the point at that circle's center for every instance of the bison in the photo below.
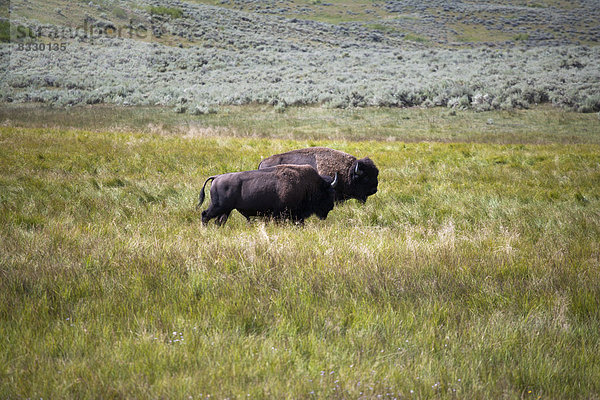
(358, 178)
(283, 191)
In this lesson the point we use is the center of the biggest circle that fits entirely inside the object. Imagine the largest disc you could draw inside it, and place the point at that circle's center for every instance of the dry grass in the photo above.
(542, 125)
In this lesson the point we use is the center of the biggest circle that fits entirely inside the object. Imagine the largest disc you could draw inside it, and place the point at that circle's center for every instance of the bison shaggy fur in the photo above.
(358, 178)
(281, 192)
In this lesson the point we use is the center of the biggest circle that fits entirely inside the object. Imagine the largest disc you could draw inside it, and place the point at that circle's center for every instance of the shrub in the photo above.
(481, 102)
(521, 37)
(590, 104)
(119, 12)
(280, 107)
(21, 33)
(168, 11)
(4, 31)
(202, 110)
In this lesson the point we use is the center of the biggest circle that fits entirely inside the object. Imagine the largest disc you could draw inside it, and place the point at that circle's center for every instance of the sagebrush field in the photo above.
(474, 272)
(196, 57)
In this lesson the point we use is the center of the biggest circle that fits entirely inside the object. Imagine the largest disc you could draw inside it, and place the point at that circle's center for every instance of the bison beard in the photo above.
(284, 191)
(358, 178)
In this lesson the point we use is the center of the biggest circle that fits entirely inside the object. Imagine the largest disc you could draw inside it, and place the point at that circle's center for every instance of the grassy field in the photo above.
(540, 125)
(474, 272)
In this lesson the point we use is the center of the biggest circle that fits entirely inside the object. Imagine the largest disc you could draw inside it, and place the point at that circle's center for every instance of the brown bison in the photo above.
(358, 178)
(284, 191)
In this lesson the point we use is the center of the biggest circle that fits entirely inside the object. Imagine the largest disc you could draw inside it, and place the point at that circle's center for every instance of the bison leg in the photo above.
(246, 214)
(298, 220)
(205, 217)
(222, 219)
(215, 212)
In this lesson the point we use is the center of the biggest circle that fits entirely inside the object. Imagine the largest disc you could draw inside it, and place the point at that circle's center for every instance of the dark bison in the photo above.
(284, 191)
(358, 178)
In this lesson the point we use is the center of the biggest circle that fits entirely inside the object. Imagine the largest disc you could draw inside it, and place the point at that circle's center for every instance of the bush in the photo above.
(202, 110)
(590, 104)
(521, 37)
(168, 11)
(4, 31)
(119, 13)
(21, 33)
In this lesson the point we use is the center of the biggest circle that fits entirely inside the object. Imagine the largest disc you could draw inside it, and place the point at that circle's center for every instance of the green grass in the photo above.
(521, 36)
(474, 272)
(383, 28)
(415, 38)
(20, 33)
(541, 125)
(4, 31)
(119, 12)
(477, 33)
(170, 11)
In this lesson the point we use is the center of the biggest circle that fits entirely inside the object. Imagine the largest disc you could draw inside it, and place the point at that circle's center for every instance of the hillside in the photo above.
(195, 56)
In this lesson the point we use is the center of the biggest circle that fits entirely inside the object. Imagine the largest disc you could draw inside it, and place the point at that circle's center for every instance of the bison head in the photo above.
(363, 179)
(326, 196)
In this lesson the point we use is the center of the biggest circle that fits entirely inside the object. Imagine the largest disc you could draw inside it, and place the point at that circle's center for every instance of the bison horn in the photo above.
(356, 170)
(335, 181)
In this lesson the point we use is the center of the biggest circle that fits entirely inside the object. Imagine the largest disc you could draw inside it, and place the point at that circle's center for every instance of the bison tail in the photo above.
(201, 197)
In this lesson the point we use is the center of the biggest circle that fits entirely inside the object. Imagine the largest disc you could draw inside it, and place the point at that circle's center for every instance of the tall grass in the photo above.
(474, 272)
